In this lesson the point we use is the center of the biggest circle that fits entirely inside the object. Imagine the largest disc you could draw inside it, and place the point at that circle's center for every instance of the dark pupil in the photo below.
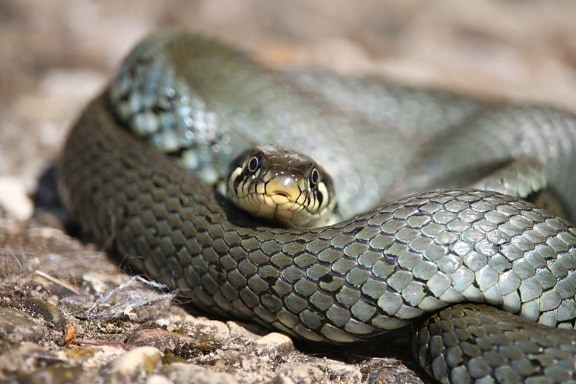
(253, 164)
(314, 176)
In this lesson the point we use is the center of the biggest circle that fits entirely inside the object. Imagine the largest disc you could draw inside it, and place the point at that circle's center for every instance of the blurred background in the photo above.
(56, 54)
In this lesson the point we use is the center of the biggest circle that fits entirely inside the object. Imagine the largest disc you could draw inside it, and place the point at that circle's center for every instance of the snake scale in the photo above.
(376, 271)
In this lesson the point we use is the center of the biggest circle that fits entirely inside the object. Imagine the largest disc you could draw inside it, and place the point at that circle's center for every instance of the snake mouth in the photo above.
(283, 190)
(281, 198)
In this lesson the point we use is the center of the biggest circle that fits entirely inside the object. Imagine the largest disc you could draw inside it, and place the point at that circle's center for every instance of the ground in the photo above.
(58, 316)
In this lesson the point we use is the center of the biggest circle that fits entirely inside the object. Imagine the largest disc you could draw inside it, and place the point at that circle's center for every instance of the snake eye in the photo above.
(314, 176)
(254, 163)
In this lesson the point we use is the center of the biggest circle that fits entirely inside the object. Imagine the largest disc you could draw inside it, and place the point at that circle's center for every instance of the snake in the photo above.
(485, 279)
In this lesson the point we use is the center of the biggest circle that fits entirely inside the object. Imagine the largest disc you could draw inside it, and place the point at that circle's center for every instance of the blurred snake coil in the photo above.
(487, 279)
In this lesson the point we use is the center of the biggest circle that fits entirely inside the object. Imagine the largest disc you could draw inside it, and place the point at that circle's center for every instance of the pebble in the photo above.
(16, 327)
(192, 373)
(52, 375)
(24, 357)
(331, 371)
(173, 343)
(158, 338)
(302, 373)
(275, 339)
(14, 199)
(158, 379)
(45, 310)
(131, 366)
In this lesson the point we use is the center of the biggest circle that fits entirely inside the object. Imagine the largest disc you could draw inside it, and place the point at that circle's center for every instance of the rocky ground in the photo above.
(67, 312)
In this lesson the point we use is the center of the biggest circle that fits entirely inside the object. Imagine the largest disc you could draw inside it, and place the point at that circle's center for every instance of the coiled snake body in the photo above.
(373, 272)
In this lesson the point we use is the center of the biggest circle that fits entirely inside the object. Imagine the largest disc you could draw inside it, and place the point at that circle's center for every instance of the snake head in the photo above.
(282, 186)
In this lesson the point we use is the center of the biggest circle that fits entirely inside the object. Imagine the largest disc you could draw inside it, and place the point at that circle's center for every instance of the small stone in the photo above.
(158, 379)
(53, 375)
(302, 372)
(157, 338)
(47, 311)
(14, 199)
(17, 326)
(24, 357)
(274, 339)
(191, 373)
(179, 345)
(131, 366)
